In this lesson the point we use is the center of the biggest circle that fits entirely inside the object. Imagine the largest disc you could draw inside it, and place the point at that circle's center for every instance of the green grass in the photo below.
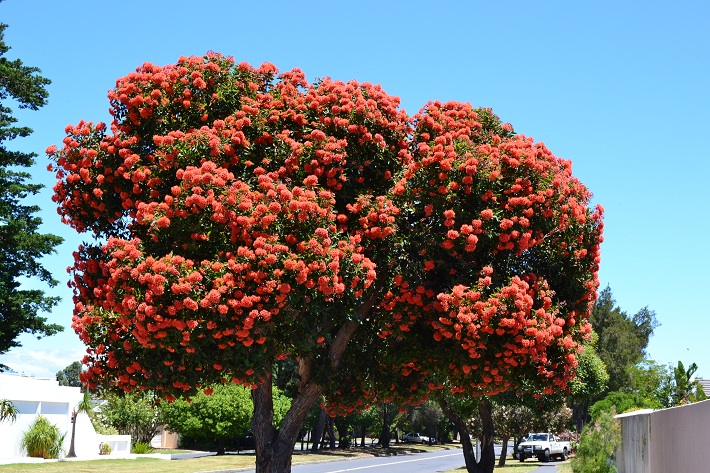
(511, 466)
(514, 466)
(565, 467)
(211, 463)
(226, 462)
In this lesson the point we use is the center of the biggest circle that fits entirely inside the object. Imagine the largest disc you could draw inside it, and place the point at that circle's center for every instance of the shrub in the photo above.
(103, 429)
(8, 411)
(42, 439)
(105, 449)
(345, 441)
(142, 447)
(595, 452)
(133, 414)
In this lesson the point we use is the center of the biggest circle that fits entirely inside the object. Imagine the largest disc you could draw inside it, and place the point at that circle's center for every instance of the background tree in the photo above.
(133, 414)
(251, 217)
(69, 376)
(219, 418)
(363, 422)
(23, 246)
(514, 417)
(589, 384)
(685, 389)
(428, 419)
(622, 339)
(511, 421)
(652, 383)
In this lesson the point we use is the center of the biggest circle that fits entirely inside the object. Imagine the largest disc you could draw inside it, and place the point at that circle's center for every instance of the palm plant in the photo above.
(85, 405)
(43, 439)
(8, 411)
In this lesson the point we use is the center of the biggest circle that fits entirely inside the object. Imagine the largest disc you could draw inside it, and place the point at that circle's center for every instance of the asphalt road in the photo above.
(428, 462)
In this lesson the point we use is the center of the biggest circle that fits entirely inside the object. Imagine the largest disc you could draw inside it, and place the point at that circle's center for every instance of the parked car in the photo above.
(415, 437)
(544, 446)
(515, 447)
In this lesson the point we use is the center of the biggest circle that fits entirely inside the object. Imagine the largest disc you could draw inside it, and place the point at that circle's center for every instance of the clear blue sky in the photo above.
(620, 88)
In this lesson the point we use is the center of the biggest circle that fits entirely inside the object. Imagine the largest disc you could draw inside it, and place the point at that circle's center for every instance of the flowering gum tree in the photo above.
(501, 255)
(242, 217)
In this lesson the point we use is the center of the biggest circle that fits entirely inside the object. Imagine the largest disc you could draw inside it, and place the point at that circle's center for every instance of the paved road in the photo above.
(546, 469)
(428, 462)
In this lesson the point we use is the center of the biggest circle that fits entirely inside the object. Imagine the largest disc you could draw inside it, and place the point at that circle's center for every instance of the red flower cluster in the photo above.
(246, 215)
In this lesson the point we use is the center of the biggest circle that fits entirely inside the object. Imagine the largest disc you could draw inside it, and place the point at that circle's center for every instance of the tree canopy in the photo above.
(622, 338)
(248, 216)
(22, 244)
(69, 376)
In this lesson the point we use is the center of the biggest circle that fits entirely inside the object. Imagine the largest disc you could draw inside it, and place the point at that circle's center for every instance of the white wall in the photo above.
(668, 440)
(33, 396)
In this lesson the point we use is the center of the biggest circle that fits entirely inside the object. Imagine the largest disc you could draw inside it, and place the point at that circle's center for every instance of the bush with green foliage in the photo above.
(596, 449)
(101, 428)
(133, 414)
(621, 402)
(141, 448)
(43, 439)
(220, 416)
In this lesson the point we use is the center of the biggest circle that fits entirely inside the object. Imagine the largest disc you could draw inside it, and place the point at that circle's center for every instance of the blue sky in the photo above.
(620, 88)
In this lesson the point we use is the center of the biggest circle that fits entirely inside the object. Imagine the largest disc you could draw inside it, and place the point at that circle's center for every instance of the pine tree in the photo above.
(22, 244)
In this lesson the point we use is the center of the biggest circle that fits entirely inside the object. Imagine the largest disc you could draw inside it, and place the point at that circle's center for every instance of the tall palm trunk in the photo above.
(72, 453)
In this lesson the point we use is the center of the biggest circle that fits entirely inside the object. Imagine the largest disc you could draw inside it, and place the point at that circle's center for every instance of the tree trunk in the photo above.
(487, 461)
(516, 442)
(344, 431)
(385, 432)
(503, 452)
(275, 449)
(331, 432)
(319, 431)
(220, 446)
(579, 414)
(488, 454)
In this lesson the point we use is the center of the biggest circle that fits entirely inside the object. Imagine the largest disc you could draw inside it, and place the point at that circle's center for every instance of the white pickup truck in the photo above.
(543, 447)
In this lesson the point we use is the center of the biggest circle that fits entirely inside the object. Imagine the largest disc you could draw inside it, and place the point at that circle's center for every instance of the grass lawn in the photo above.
(228, 462)
(203, 464)
(511, 466)
(514, 466)
(566, 467)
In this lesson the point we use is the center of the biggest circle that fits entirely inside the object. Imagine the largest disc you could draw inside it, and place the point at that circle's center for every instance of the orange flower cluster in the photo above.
(246, 215)
(252, 203)
(501, 256)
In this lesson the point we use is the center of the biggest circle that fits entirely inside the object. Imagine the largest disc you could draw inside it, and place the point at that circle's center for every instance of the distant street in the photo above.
(428, 462)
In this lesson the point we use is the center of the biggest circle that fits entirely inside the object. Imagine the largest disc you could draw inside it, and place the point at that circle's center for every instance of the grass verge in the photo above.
(203, 464)
(513, 466)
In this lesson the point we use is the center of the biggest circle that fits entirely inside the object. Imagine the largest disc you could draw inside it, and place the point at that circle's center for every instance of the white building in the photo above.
(34, 396)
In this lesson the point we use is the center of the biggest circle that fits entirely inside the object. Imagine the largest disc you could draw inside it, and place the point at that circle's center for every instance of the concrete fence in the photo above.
(665, 441)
